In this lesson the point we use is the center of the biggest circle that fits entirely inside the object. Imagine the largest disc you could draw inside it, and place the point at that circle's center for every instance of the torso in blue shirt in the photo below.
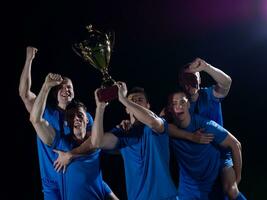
(45, 153)
(146, 162)
(55, 118)
(82, 179)
(207, 105)
(199, 163)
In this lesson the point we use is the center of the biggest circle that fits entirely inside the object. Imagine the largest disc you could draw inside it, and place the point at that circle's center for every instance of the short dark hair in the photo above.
(73, 105)
(138, 90)
(168, 111)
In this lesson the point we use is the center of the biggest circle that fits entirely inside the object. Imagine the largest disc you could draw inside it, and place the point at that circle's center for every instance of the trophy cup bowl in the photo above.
(96, 49)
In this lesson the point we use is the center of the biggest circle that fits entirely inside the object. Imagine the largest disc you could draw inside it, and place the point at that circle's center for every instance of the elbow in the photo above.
(229, 81)
(239, 146)
(157, 125)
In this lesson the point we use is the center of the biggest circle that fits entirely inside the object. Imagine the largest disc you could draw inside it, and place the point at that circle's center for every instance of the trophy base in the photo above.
(108, 93)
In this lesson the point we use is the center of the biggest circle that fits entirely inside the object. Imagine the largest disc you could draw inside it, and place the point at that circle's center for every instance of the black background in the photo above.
(153, 38)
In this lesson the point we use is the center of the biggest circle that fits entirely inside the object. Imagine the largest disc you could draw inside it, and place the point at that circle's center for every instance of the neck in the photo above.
(62, 106)
(80, 135)
(185, 122)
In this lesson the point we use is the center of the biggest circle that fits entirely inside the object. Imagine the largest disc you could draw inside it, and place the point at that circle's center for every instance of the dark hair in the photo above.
(168, 110)
(186, 78)
(138, 90)
(73, 105)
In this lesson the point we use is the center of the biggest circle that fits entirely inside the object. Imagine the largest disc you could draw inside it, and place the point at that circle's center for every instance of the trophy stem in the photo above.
(107, 79)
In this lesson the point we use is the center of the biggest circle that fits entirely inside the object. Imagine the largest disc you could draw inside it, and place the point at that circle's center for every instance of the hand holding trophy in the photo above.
(96, 49)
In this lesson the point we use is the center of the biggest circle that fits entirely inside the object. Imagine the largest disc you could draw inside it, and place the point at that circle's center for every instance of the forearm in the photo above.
(142, 114)
(25, 93)
(39, 104)
(97, 129)
(179, 133)
(232, 143)
(222, 79)
(237, 160)
(85, 148)
(42, 127)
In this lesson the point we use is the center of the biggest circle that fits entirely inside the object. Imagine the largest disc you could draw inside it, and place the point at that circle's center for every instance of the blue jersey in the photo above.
(146, 162)
(82, 179)
(207, 105)
(55, 118)
(199, 163)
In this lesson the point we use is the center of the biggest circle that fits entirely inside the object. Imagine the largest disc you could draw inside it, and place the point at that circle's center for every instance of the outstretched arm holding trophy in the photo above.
(96, 49)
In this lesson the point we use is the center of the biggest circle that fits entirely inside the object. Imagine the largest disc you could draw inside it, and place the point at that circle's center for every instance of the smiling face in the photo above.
(65, 92)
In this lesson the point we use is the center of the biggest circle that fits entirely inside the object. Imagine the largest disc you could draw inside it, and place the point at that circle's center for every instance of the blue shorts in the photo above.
(226, 159)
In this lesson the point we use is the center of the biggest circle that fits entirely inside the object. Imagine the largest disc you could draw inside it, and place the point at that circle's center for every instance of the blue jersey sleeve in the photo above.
(107, 189)
(90, 122)
(219, 132)
(210, 94)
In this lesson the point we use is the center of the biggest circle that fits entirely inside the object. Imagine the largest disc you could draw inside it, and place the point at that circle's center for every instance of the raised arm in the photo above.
(223, 80)
(45, 132)
(141, 113)
(27, 96)
(99, 138)
(235, 146)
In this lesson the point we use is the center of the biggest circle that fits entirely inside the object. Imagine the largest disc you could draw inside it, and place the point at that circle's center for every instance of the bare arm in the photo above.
(64, 158)
(27, 96)
(141, 113)
(197, 137)
(42, 127)
(99, 138)
(235, 146)
(223, 80)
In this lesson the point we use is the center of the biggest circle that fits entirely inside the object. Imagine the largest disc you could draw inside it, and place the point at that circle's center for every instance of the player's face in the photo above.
(65, 93)
(78, 120)
(180, 105)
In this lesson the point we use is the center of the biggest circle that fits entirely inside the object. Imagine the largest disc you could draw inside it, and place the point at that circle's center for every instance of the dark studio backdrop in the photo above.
(153, 38)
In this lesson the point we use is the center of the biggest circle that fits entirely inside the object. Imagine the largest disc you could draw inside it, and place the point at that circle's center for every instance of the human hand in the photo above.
(52, 80)
(99, 103)
(202, 138)
(62, 161)
(197, 65)
(30, 52)
(122, 90)
(125, 125)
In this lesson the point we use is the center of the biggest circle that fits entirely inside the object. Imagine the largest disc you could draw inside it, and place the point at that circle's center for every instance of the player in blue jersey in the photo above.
(199, 163)
(207, 103)
(145, 148)
(55, 116)
(82, 179)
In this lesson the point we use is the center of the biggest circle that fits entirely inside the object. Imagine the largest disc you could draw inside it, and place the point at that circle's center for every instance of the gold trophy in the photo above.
(96, 49)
